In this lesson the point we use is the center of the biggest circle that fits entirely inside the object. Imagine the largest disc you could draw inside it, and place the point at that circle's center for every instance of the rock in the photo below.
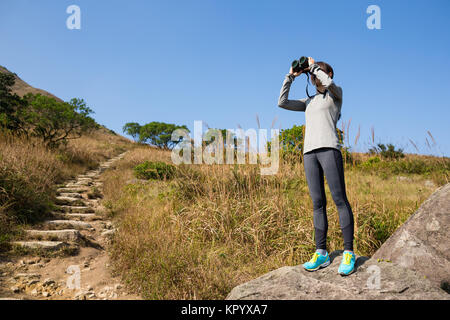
(412, 264)
(34, 292)
(421, 243)
(27, 275)
(45, 294)
(108, 233)
(76, 209)
(48, 282)
(43, 245)
(62, 235)
(83, 216)
(80, 295)
(15, 289)
(289, 283)
(32, 281)
(403, 178)
(109, 225)
(62, 200)
(72, 190)
(31, 260)
(70, 223)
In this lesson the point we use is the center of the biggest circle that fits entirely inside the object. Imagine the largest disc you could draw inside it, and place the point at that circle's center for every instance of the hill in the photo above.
(22, 88)
(29, 168)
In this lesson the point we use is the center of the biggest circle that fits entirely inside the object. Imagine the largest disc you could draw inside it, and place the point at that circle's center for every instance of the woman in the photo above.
(322, 155)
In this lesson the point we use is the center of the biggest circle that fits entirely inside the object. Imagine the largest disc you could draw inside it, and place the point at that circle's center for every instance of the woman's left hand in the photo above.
(310, 62)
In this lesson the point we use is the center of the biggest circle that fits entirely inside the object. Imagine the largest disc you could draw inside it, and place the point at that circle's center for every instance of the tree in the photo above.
(10, 103)
(56, 121)
(292, 140)
(133, 129)
(159, 134)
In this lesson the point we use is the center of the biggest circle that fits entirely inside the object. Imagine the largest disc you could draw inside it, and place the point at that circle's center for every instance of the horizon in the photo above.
(224, 63)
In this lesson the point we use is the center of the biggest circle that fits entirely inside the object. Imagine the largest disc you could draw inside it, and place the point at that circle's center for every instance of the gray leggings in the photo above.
(328, 161)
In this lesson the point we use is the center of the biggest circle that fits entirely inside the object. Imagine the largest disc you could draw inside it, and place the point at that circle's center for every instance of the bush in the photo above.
(154, 170)
(387, 151)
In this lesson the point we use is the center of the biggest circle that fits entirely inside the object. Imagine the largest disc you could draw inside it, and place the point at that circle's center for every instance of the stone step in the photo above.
(69, 201)
(51, 235)
(79, 184)
(83, 179)
(71, 195)
(43, 245)
(87, 176)
(79, 225)
(77, 209)
(82, 216)
(91, 173)
(72, 190)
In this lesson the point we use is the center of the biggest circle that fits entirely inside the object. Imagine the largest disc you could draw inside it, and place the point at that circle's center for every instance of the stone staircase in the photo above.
(76, 220)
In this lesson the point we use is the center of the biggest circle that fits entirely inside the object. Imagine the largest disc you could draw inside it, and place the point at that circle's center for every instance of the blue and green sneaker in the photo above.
(317, 261)
(347, 265)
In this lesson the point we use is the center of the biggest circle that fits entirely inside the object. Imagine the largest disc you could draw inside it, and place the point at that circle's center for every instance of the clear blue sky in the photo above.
(224, 61)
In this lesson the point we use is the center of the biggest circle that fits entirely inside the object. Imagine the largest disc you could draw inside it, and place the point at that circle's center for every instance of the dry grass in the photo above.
(216, 226)
(29, 172)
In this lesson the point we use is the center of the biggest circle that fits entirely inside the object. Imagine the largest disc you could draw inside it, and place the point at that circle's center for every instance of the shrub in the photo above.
(154, 170)
(387, 151)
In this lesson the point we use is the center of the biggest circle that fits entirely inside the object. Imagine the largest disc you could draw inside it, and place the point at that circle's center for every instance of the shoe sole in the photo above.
(323, 265)
(346, 274)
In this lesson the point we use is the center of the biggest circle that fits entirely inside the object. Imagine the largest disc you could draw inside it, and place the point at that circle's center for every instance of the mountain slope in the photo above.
(22, 88)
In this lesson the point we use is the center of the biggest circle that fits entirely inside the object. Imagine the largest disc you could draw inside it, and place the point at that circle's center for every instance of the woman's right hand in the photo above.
(296, 74)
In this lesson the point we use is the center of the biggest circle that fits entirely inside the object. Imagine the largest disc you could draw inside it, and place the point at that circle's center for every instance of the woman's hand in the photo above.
(296, 74)
(310, 62)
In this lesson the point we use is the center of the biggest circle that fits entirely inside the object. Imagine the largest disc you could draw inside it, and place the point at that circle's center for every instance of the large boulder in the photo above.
(412, 264)
(372, 280)
(422, 243)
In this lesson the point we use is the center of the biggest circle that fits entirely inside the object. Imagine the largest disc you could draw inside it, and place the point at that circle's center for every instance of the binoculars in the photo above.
(300, 64)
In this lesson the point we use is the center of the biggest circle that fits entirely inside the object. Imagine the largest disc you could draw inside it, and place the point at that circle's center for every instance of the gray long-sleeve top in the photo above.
(322, 111)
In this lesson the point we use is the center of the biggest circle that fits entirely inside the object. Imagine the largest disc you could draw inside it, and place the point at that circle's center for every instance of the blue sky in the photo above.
(223, 62)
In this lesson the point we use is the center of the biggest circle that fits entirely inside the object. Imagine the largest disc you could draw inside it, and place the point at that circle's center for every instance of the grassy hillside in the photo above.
(29, 170)
(212, 227)
(22, 88)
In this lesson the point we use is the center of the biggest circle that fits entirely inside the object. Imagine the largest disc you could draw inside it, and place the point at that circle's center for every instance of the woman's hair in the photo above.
(326, 67)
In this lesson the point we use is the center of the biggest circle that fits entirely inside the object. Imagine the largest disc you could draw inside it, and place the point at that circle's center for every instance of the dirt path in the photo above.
(66, 257)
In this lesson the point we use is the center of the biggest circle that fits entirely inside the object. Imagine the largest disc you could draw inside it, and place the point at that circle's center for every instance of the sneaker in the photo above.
(347, 265)
(317, 261)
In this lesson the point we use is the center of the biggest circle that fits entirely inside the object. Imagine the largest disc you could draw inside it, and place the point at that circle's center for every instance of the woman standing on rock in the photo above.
(322, 154)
